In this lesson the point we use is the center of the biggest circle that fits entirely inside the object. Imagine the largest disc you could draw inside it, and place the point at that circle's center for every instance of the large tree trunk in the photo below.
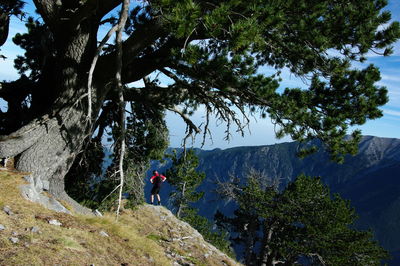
(49, 158)
(46, 147)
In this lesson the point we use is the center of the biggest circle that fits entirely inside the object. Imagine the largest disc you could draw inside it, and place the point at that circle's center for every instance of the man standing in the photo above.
(156, 180)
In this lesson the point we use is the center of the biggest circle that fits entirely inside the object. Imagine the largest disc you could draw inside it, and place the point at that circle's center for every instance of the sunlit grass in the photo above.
(139, 237)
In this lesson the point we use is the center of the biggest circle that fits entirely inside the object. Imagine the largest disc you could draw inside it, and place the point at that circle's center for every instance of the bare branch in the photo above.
(170, 74)
(143, 37)
(319, 257)
(206, 129)
(93, 65)
(111, 192)
(186, 119)
(187, 40)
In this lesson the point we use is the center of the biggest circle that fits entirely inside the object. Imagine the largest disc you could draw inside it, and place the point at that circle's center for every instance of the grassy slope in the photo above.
(147, 236)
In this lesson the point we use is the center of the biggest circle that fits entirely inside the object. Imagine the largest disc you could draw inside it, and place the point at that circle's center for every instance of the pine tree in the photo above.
(209, 51)
(302, 224)
(185, 179)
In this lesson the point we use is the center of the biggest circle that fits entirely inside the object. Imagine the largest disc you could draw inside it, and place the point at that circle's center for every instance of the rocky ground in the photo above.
(149, 235)
(180, 241)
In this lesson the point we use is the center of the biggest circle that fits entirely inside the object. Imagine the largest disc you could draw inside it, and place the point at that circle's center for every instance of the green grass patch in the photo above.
(95, 220)
(70, 243)
(195, 261)
(156, 238)
(5, 176)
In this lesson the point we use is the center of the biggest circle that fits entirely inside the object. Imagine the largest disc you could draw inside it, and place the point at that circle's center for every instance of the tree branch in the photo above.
(4, 27)
(140, 39)
(170, 74)
(101, 122)
(53, 12)
(319, 257)
(25, 137)
(93, 65)
(186, 119)
(93, 7)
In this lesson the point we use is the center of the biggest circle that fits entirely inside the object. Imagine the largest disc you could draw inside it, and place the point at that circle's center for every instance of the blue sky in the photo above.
(260, 131)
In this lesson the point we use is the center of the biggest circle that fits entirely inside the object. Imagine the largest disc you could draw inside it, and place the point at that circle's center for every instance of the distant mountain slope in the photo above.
(371, 179)
(280, 161)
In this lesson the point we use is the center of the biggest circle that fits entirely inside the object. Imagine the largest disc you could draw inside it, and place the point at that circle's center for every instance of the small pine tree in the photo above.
(185, 179)
(302, 224)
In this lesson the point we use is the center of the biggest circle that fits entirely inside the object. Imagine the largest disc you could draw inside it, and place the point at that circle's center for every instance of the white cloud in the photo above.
(391, 112)
(395, 78)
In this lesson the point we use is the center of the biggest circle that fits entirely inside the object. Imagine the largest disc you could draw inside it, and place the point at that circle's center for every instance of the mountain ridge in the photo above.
(369, 179)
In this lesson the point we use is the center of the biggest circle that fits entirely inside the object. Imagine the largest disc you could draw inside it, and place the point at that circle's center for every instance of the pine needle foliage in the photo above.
(303, 224)
(185, 178)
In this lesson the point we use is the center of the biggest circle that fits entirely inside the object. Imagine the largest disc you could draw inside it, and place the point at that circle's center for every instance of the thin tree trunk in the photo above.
(266, 251)
(178, 214)
(249, 244)
(121, 25)
(121, 167)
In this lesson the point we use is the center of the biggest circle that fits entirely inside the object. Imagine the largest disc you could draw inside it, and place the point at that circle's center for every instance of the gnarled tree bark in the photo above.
(47, 146)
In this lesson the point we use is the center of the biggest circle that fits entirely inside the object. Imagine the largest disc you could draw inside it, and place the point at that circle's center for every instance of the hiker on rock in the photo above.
(157, 179)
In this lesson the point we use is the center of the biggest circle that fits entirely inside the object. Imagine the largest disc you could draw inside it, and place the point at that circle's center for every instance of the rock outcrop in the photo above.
(180, 241)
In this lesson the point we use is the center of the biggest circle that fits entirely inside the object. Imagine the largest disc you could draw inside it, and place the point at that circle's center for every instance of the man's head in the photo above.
(155, 172)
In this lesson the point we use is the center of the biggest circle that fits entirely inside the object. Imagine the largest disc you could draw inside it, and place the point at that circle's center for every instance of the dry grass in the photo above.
(76, 242)
(140, 237)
